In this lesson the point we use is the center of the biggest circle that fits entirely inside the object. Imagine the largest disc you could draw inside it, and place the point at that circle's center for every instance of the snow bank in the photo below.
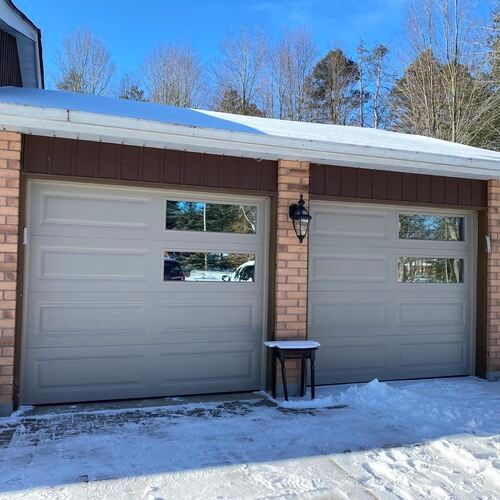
(15, 417)
(416, 404)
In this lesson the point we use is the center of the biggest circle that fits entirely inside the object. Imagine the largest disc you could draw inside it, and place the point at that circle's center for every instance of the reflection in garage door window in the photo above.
(431, 227)
(211, 217)
(430, 270)
(209, 266)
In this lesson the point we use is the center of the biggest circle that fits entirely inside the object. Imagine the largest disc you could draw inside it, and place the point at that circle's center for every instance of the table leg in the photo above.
(273, 374)
(303, 378)
(313, 381)
(283, 376)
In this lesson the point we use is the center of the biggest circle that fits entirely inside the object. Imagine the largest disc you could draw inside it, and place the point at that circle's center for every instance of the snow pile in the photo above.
(15, 417)
(417, 404)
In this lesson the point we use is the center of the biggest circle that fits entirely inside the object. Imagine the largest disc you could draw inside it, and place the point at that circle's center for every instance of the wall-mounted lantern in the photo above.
(300, 218)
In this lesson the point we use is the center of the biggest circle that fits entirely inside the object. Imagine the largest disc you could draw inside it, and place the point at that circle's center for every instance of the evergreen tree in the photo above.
(332, 88)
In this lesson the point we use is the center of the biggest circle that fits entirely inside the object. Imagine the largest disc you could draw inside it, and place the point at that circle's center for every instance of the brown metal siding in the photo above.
(10, 71)
(75, 158)
(378, 185)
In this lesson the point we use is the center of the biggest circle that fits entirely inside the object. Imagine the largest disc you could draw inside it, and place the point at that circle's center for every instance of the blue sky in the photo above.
(132, 28)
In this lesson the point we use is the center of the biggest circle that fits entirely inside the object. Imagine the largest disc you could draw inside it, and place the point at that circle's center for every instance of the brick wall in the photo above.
(493, 283)
(291, 259)
(10, 153)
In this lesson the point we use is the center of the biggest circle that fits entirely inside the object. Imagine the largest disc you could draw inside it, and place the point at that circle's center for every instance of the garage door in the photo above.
(390, 292)
(140, 293)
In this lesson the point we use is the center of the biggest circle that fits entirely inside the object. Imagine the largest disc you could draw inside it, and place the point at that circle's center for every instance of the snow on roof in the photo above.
(109, 119)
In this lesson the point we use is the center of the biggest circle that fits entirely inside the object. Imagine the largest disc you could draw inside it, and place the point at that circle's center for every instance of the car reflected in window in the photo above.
(172, 270)
(246, 272)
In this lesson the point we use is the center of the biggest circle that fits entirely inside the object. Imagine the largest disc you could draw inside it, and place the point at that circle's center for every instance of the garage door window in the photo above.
(209, 266)
(430, 227)
(430, 270)
(210, 217)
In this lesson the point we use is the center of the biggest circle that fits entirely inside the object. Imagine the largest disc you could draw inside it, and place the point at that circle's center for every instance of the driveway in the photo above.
(419, 439)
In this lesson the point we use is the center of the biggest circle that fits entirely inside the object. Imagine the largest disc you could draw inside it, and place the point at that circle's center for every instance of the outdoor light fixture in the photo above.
(300, 218)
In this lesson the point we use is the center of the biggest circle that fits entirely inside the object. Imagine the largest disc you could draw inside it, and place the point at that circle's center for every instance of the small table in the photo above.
(293, 349)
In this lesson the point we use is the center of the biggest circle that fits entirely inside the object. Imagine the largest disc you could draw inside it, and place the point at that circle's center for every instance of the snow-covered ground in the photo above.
(422, 439)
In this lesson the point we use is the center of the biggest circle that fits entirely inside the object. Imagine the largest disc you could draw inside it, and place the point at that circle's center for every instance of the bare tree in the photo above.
(363, 65)
(379, 74)
(292, 62)
(443, 92)
(173, 74)
(84, 64)
(241, 71)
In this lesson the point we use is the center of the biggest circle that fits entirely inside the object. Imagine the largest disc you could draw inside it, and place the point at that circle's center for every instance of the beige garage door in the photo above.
(139, 293)
(390, 292)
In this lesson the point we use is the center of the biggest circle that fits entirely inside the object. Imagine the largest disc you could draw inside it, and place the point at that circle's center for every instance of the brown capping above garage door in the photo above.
(99, 160)
(395, 187)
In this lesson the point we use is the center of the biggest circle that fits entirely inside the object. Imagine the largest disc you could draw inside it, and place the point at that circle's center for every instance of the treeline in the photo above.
(443, 79)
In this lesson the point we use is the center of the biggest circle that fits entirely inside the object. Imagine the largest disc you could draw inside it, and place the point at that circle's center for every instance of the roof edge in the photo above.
(139, 132)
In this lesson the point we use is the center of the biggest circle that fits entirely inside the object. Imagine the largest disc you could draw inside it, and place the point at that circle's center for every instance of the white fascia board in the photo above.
(15, 21)
(124, 130)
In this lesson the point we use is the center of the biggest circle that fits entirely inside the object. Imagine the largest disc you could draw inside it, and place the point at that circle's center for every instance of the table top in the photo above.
(293, 344)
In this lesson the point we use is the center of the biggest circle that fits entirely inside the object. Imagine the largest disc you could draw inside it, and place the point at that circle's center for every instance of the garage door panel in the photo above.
(333, 314)
(448, 352)
(72, 374)
(349, 267)
(337, 222)
(213, 364)
(208, 315)
(350, 363)
(368, 323)
(76, 319)
(90, 211)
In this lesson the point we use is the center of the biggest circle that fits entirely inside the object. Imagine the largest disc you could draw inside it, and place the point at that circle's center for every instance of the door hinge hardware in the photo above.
(25, 235)
(488, 244)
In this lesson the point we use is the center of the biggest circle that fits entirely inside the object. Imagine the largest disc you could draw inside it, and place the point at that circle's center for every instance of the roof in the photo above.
(108, 119)
(29, 43)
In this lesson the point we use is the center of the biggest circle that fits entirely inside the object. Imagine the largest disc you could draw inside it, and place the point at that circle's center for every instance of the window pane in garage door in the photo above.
(212, 217)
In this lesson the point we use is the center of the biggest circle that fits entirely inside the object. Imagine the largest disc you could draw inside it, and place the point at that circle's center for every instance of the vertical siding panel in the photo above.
(349, 182)
(10, 71)
(365, 183)
(379, 185)
(35, 154)
(192, 171)
(151, 165)
(268, 175)
(424, 186)
(109, 161)
(438, 190)
(248, 174)
(333, 181)
(130, 163)
(478, 193)
(317, 179)
(409, 189)
(62, 155)
(394, 186)
(212, 170)
(464, 192)
(451, 191)
(230, 167)
(173, 162)
(86, 158)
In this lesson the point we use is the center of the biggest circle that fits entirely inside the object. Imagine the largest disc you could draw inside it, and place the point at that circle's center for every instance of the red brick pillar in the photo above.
(493, 283)
(291, 259)
(10, 161)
